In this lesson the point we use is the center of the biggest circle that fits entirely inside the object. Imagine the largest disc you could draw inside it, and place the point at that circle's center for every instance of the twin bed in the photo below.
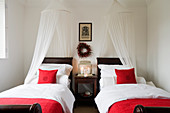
(58, 98)
(136, 97)
(42, 98)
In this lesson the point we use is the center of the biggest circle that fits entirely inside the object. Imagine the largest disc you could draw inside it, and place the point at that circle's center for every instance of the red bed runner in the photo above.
(127, 106)
(47, 105)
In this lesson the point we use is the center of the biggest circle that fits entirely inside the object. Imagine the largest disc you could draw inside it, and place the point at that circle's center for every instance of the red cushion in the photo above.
(47, 76)
(125, 76)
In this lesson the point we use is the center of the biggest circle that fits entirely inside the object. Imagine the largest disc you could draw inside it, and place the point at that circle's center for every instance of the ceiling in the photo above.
(86, 3)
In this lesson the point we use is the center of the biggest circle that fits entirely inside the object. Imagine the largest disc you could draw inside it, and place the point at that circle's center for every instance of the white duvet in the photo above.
(57, 92)
(111, 94)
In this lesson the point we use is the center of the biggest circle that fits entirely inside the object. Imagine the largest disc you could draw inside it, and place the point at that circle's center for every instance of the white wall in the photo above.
(94, 14)
(140, 17)
(158, 43)
(11, 69)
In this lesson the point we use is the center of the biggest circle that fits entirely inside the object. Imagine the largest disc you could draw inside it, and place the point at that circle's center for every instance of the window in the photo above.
(2, 30)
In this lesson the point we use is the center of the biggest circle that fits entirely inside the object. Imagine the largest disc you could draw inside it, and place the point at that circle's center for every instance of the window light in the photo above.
(2, 29)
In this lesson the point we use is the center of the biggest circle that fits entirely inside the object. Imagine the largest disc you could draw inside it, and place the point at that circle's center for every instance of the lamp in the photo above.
(85, 68)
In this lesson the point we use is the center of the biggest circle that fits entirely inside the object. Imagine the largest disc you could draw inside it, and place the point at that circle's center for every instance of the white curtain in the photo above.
(49, 23)
(2, 29)
(61, 44)
(120, 29)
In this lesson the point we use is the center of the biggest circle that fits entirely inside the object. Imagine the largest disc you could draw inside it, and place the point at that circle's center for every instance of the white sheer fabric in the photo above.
(120, 29)
(61, 44)
(2, 29)
(46, 31)
(49, 23)
(59, 5)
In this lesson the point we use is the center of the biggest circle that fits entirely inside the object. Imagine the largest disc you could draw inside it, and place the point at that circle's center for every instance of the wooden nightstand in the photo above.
(85, 80)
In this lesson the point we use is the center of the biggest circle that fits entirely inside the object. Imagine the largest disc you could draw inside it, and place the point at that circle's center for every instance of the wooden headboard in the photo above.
(107, 61)
(60, 60)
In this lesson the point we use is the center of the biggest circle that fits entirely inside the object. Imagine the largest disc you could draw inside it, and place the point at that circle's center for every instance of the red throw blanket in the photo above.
(47, 105)
(127, 106)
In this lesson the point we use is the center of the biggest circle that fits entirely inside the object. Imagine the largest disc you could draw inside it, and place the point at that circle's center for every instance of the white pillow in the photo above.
(108, 75)
(150, 83)
(140, 80)
(109, 67)
(109, 70)
(108, 81)
(63, 69)
(62, 76)
(61, 79)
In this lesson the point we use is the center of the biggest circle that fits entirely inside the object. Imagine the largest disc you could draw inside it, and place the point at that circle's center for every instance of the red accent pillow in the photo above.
(125, 76)
(47, 76)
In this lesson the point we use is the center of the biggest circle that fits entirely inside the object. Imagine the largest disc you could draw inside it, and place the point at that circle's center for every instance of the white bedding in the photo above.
(111, 94)
(57, 92)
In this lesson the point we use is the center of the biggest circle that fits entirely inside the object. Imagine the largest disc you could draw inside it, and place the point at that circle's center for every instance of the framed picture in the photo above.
(85, 31)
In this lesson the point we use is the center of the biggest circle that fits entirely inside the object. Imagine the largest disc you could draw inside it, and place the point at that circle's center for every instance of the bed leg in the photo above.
(35, 108)
(139, 109)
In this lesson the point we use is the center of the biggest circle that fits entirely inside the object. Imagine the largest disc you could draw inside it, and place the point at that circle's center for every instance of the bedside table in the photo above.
(85, 80)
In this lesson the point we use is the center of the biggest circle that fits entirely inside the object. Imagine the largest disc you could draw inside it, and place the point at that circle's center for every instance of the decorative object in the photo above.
(85, 68)
(86, 94)
(87, 75)
(84, 50)
(85, 31)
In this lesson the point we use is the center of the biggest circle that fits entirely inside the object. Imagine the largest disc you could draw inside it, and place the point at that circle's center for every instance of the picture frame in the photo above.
(85, 31)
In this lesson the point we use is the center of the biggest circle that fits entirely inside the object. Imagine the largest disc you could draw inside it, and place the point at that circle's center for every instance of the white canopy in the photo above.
(55, 21)
(120, 29)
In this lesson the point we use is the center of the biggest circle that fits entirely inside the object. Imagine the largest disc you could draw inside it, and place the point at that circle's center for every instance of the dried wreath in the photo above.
(84, 50)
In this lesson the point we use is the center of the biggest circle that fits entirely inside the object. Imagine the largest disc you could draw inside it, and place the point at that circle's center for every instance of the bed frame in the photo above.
(36, 108)
(138, 108)
(108, 61)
